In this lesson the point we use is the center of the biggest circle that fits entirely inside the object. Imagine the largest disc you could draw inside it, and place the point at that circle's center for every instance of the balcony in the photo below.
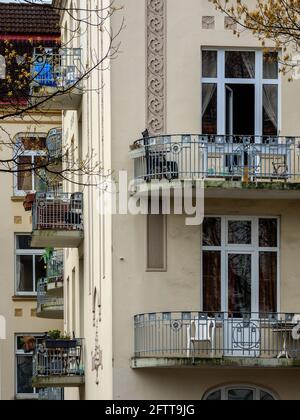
(54, 283)
(182, 339)
(251, 163)
(48, 307)
(58, 364)
(51, 394)
(57, 220)
(57, 78)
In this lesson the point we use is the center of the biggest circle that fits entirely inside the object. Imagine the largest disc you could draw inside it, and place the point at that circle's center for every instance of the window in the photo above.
(240, 257)
(240, 92)
(239, 393)
(29, 266)
(24, 364)
(30, 151)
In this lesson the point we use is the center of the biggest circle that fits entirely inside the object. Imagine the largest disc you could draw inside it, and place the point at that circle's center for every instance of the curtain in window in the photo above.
(270, 108)
(211, 281)
(268, 282)
(249, 63)
(209, 108)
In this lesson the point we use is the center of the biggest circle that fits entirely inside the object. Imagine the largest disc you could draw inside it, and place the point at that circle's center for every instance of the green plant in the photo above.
(54, 335)
(47, 255)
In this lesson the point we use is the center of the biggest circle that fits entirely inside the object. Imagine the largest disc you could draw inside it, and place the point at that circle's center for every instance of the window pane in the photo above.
(215, 396)
(240, 64)
(267, 282)
(268, 233)
(40, 269)
(24, 273)
(270, 110)
(271, 65)
(240, 395)
(34, 143)
(264, 396)
(23, 241)
(24, 375)
(40, 175)
(239, 232)
(209, 64)
(209, 108)
(211, 281)
(25, 174)
(239, 284)
(212, 231)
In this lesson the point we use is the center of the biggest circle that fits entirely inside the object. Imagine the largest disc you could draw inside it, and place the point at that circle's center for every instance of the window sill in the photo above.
(20, 298)
(18, 198)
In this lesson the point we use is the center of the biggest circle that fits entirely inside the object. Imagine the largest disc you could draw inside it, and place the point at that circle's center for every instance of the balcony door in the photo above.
(240, 277)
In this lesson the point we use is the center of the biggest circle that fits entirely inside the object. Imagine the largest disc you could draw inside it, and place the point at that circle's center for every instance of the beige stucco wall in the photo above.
(120, 243)
(13, 219)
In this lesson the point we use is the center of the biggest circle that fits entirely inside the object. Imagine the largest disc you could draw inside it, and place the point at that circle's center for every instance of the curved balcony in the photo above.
(56, 78)
(180, 339)
(57, 220)
(48, 306)
(58, 364)
(250, 160)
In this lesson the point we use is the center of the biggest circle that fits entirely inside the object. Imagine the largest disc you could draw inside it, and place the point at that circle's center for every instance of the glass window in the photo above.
(268, 233)
(240, 64)
(29, 266)
(209, 108)
(239, 284)
(29, 153)
(268, 282)
(209, 64)
(243, 393)
(24, 374)
(239, 232)
(212, 231)
(211, 281)
(270, 110)
(270, 65)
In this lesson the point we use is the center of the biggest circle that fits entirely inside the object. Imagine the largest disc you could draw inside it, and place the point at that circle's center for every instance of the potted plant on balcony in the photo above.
(56, 340)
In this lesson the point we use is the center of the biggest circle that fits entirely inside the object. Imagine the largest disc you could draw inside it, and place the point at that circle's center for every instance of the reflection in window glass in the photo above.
(24, 273)
(209, 108)
(211, 281)
(240, 395)
(268, 282)
(239, 232)
(24, 374)
(209, 63)
(212, 231)
(270, 110)
(215, 396)
(240, 64)
(268, 233)
(270, 65)
(239, 284)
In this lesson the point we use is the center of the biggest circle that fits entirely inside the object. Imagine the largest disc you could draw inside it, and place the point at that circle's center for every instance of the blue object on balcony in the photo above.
(44, 74)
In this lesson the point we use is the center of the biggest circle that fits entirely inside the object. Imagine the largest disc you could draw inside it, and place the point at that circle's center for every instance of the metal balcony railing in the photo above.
(56, 68)
(217, 335)
(63, 358)
(51, 394)
(192, 157)
(58, 211)
(48, 306)
(55, 267)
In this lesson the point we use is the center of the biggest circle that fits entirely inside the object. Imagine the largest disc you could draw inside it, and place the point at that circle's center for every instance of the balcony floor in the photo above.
(56, 239)
(58, 381)
(213, 362)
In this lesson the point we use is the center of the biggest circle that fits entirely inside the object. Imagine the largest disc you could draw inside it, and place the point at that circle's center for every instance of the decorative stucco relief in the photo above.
(156, 65)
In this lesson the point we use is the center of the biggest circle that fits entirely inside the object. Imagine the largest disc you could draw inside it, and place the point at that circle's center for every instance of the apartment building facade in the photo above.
(166, 309)
(21, 28)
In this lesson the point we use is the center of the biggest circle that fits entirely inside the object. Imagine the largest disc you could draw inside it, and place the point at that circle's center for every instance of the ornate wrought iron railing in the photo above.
(217, 335)
(192, 157)
(58, 211)
(58, 358)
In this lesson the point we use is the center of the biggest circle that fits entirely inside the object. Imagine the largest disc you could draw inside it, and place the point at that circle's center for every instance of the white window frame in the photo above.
(254, 249)
(258, 83)
(225, 390)
(24, 252)
(31, 153)
(19, 352)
